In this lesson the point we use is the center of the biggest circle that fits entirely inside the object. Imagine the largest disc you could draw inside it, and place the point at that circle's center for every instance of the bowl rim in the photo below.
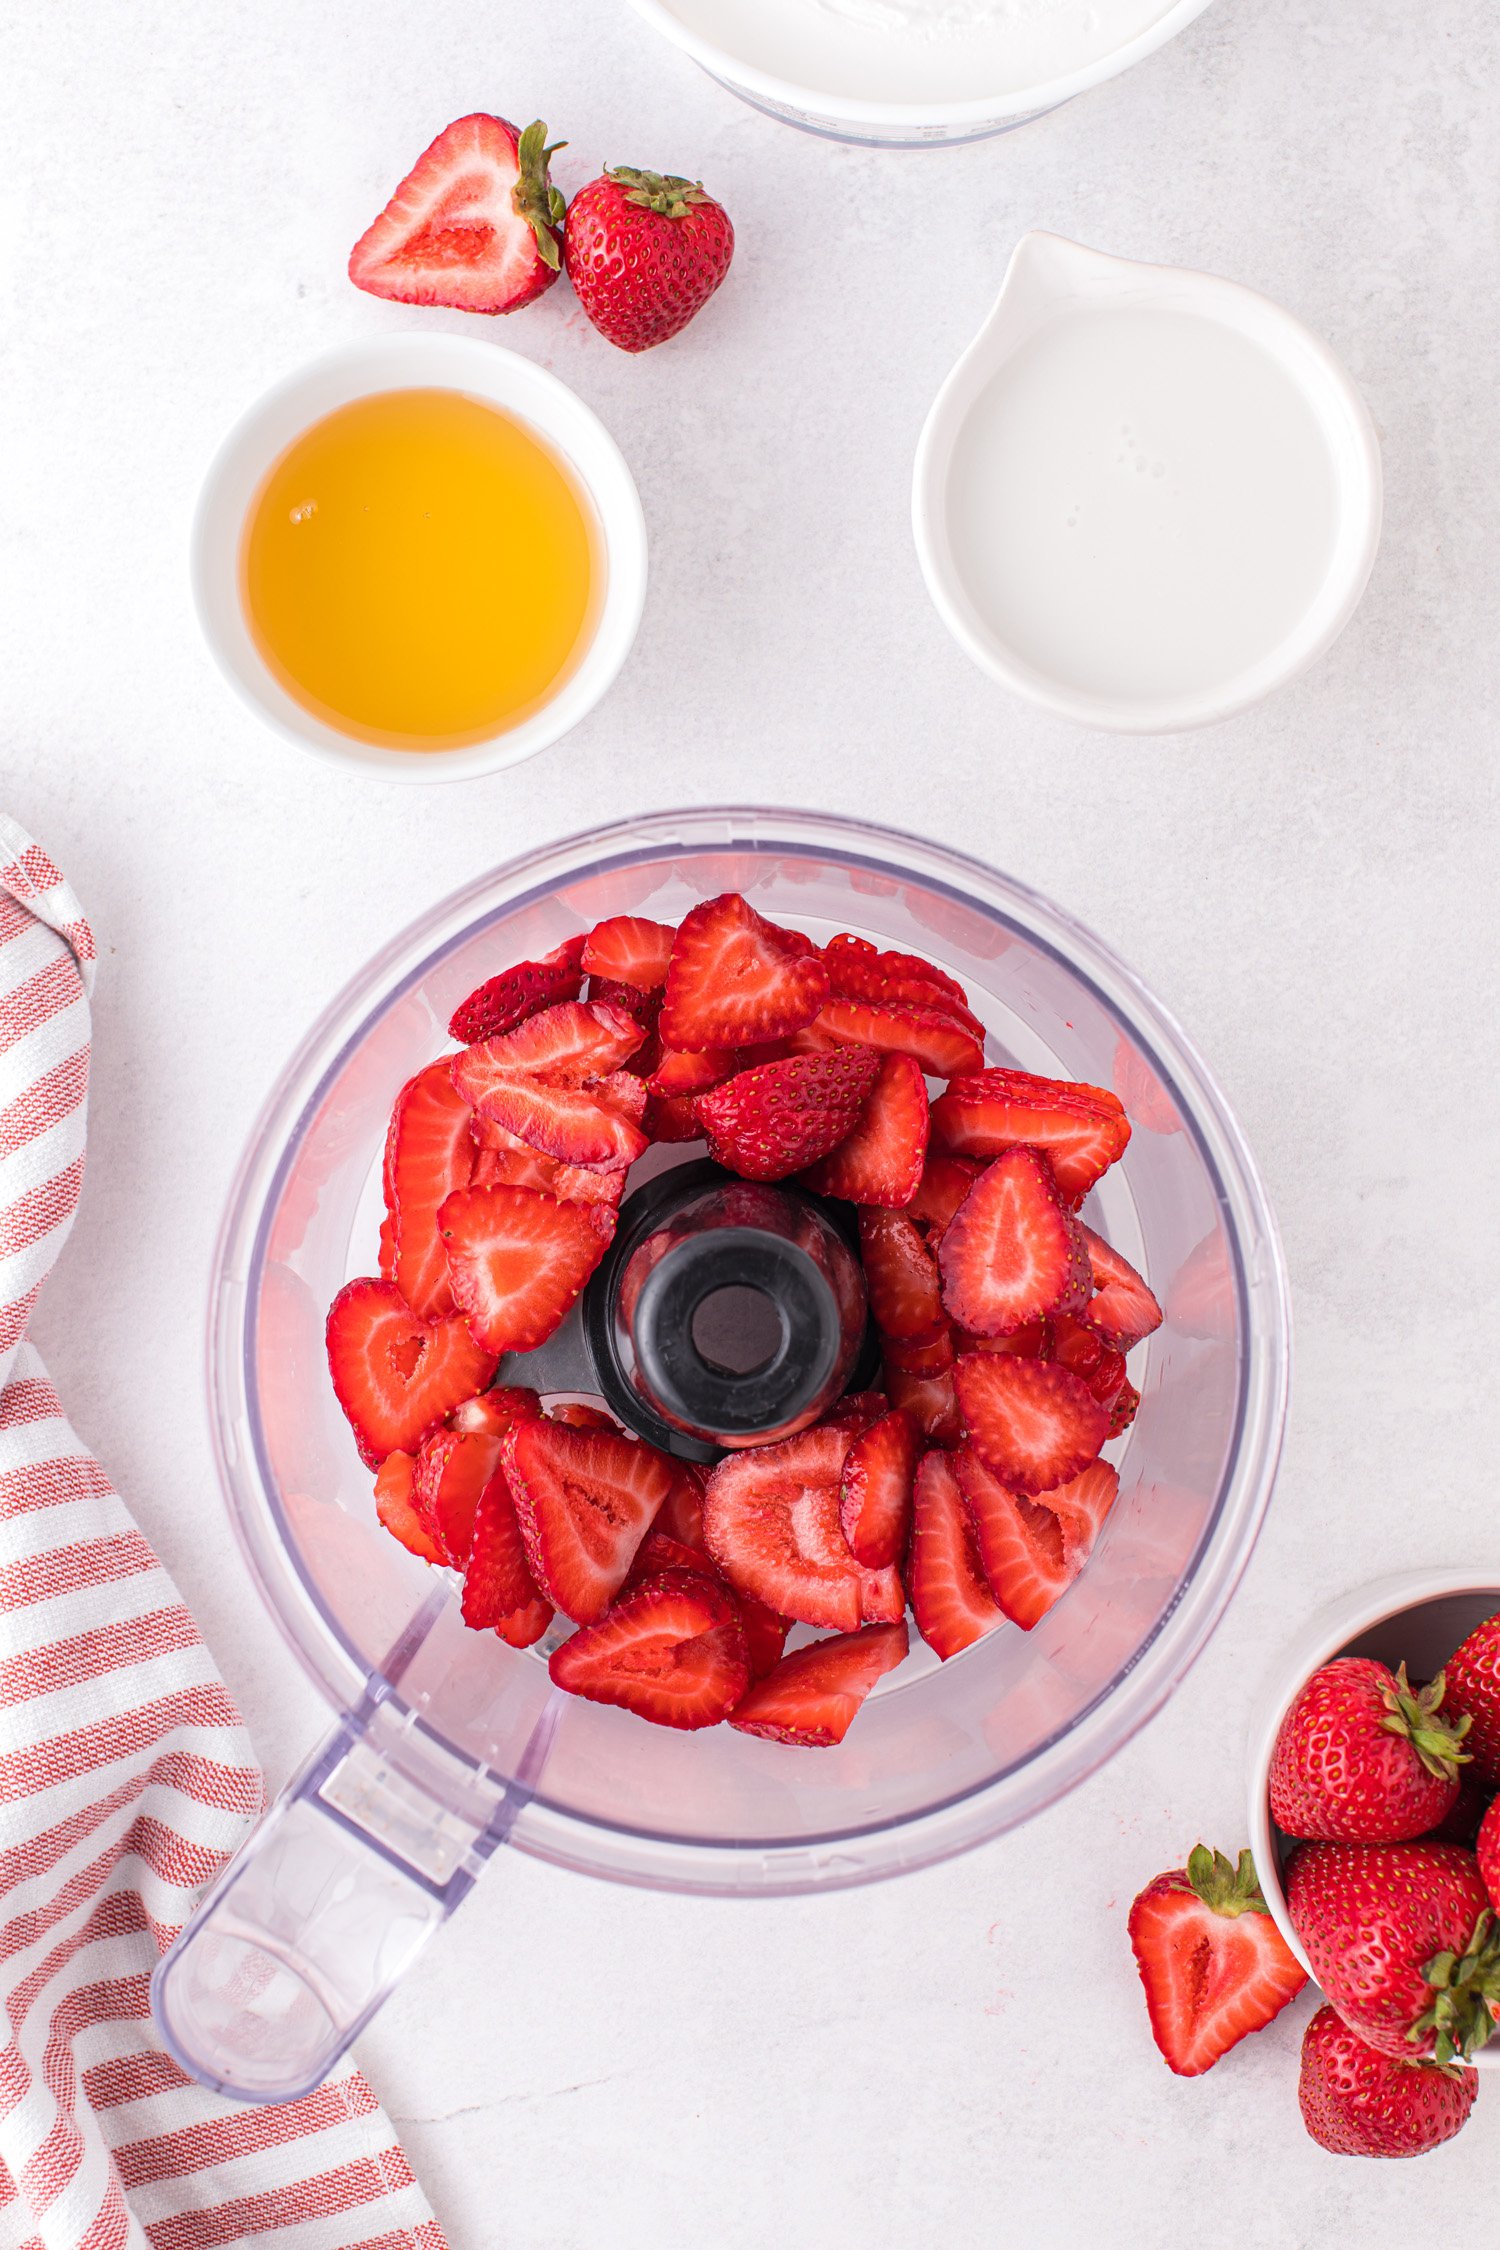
(1145, 1681)
(916, 117)
(500, 377)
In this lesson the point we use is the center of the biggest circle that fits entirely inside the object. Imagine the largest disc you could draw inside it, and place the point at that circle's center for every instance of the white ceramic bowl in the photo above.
(484, 371)
(1048, 280)
(1417, 1618)
(927, 123)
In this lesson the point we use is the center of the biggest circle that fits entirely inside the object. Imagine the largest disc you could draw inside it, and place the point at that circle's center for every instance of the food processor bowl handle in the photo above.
(329, 1902)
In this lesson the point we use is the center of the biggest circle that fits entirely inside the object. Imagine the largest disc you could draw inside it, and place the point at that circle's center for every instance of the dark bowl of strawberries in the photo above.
(749, 1351)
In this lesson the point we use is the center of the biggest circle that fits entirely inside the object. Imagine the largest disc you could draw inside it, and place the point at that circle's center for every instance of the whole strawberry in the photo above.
(1364, 1758)
(1402, 1940)
(1473, 1674)
(1214, 1965)
(1487, 1852)
(1356, 2102)
(645, 251)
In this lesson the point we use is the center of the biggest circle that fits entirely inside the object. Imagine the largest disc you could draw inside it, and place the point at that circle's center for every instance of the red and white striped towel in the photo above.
(126, 1776)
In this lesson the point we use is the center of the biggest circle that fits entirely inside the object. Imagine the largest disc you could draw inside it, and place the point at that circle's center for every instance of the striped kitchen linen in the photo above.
(126, 1776)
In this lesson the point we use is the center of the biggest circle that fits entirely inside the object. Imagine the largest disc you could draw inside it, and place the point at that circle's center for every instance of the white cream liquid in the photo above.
(910, 51)
(1142, 505)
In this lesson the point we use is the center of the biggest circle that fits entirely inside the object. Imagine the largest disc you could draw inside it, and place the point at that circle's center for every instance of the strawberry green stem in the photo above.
(1465, 1987)
(539, 203)
(1223, 1887)
(664, 192)
(1413, 1713)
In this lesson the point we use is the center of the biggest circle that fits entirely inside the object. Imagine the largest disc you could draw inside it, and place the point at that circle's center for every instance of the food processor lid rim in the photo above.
(1226, 1156)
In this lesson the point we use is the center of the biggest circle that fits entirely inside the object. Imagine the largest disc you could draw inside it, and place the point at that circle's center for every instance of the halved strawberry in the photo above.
(1078, 1346)
(393, 1506)
(1081, 1129)
(429, 1153)
(476, 223)
(945, 1181)
(735, 977)
(584, 1502)
(900, 1277)
(517, 993)
(453, 1468)
(566, 1044)
(1031, 1422)
(771, 1523)
(941, 1042)
(694, 1070)
(1214, 1965)
(1122, 1308)
(566, 1122)
(500, 1595)
(518, 1261)
(1012, 1252)
(875, 1490)
(397, 1377)
(950, 1596)
(629, 950)
(768, 1123)
(930, 1400)
(1032, 1550)
(765, 1634)
(813, 1696)
(494, 1410)
(673, 1652)
(881, 1161)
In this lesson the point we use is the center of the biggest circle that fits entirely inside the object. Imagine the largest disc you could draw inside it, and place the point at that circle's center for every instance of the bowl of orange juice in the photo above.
(422, 558)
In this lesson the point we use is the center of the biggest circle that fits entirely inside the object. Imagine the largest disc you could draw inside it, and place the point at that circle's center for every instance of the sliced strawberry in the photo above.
(518, 1261)
(658, 1551)
(945, 1181)
(476, 223)
(765, 1634)
(393, 1506)
(579, 1183)
(503, 1161)
(681, 1513)
(882, 1596)
(950, 1596)
(768, 1123)
(1032, 1550)
(621, 1091)
(856, 1410)
(630, 950)
(1078, 1346)
(1031, 1422)
(584, 1502)
(771, 1522)
(500, 1595)
(673, 1652)
(930, 1400)
(813, 1696)
(1012, 1252)
(387, 1259)
(453, 1468)
(927, 1355)
(881, 1161)
(735, 977)
(875, 1490)
(566, 1122)
(645, 1007)
(1081, 1129)
(579, 1415)
(493, 1411)
(429, 1152)
(1123, 1412)
(672, 1117)
(861, 971)
(517, 993)
(397, 1377)
(1214, 1965)
(943, 1044)
(900, 1276)
(693, 1071)
(1123, 1308)
(575, 1040)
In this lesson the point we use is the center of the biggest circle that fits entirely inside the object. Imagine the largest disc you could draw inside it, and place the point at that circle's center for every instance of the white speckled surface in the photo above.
(960, 2056)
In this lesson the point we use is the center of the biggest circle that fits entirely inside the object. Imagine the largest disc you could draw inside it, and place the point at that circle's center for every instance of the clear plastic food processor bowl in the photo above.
(448, 1743)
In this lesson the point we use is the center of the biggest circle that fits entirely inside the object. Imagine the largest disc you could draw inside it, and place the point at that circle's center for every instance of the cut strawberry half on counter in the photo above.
(735, 977)
(770, 1122)
(1012, 1252)
(570, 1123)
(630, 950)
(1213, 1963)
(771, 1523)
(395, 1376)
(500, 1595)
(565, 1044)
(1035, 1425)
(1122, 1308)
(880, 1163)
(901, 1277)
(584, 1501)
(1081, 1129)
(812, 1697)
(508, 999)
(429, 1152)
(950, 1595)
(1032, 1550)
(453, 1468)
(875, 1490)
(393, 1507)
(518, 1261)
(673, 1651)
(941, 1043)
(476, 223)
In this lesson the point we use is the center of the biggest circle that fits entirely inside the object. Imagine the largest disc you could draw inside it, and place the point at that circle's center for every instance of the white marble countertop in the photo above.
(959, 2056)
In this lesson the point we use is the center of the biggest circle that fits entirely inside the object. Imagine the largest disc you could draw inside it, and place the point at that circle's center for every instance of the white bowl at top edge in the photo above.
(1049, 278)
(484, 371)
(1418, 1618)
(907, 124)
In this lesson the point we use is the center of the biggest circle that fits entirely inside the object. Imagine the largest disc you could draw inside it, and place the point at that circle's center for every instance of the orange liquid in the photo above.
(420, 571)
